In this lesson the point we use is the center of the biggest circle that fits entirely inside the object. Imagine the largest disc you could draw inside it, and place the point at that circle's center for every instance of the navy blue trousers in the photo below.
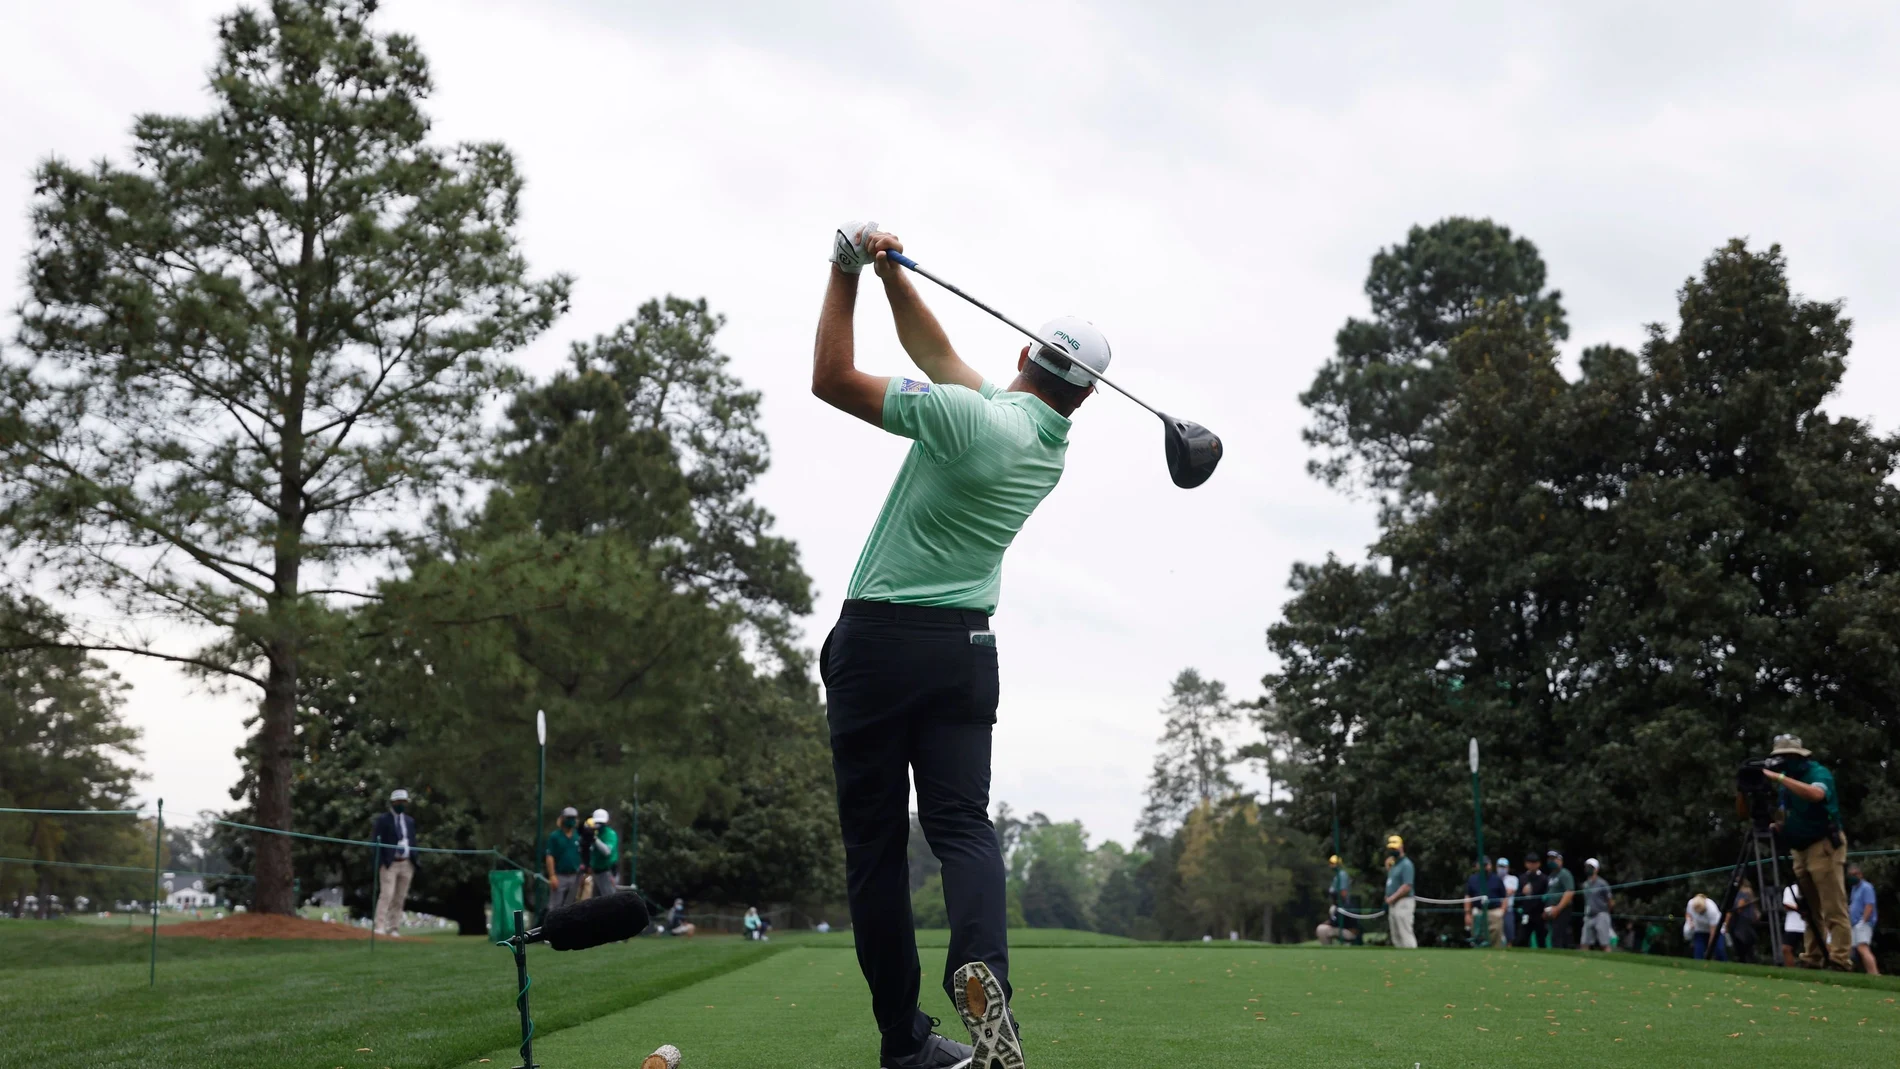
(912, 692)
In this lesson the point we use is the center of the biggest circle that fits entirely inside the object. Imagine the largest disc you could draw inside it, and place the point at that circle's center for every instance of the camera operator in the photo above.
(1812, 833)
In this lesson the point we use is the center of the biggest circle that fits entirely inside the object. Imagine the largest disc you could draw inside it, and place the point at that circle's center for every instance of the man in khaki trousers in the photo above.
(395, 838)
(1812, 832)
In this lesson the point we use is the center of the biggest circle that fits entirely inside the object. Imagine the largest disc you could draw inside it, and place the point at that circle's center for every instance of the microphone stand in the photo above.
(519, 941)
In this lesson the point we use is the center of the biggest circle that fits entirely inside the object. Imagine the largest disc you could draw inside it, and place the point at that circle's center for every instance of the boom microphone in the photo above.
(595, 922)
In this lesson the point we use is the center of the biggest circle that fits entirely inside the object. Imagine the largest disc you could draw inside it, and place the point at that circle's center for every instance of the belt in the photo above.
(918, 614)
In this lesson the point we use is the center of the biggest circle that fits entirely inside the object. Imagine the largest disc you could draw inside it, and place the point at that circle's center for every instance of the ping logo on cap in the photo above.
(1073, 344)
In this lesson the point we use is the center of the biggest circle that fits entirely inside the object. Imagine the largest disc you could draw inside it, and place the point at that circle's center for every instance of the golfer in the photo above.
(910, 669)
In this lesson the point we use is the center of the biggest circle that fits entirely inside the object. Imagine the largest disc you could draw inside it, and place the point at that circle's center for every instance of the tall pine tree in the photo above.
(255, 349)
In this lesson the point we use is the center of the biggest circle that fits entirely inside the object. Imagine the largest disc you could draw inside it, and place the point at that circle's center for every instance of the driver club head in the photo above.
(1193, 451)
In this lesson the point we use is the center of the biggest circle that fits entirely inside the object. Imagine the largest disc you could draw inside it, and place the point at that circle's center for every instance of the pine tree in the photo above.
(255, 349)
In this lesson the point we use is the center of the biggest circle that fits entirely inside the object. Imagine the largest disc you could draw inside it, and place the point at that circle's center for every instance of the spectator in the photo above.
(1496, 894)
(1476, 882)
(584, 842)
(1794, 925)
(1699, 924)
(564, 860)
(1337, 926)
(1596, 909)
(1535, 931)
(1399, 902)
(1812, 832)
(676, 919)
(1511, 884)
(1861, 917)
(603, 858)
(1562, 888)
(394, 833)
(1742, 923)
(752, 923)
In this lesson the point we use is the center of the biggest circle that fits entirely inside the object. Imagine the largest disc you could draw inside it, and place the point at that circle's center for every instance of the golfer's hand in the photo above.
(878, 243)
(848, 246)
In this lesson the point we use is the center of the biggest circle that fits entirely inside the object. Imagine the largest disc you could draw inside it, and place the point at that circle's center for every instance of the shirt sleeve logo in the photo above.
(913, 386)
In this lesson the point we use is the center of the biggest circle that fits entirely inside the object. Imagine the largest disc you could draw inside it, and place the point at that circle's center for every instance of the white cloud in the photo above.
(1206, 182)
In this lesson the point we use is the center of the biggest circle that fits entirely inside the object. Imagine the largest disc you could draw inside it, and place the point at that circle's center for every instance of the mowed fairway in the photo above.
(76, 996)
(1255, 1006)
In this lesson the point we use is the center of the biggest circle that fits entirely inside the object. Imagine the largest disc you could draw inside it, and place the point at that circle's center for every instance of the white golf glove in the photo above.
(847, 246)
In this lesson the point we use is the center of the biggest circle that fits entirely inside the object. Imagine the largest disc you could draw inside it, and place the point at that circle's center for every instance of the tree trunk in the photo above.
(1266, 924)
(274, 874)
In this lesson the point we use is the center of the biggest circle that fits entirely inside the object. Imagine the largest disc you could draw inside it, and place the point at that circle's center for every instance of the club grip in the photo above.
(900, 259)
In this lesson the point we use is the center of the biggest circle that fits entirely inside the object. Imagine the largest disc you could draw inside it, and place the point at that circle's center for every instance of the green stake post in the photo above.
(541, 809)
(1480, 917)
(158, 851)
(633, 838)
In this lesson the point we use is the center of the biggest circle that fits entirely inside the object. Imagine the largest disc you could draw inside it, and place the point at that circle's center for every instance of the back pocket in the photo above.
(985, 690)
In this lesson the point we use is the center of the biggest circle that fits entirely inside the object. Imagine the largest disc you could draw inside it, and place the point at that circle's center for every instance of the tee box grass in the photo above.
(72, 995)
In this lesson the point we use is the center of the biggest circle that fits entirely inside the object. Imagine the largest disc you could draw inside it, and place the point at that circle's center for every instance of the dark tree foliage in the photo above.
(1622, 585)
(620, 577)
(64, 745)
(1377, 403)
(254, 350)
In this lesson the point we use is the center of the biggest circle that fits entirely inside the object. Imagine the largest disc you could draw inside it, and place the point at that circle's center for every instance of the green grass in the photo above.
(939, 938)
(70, 999)
(75, 995)
(1211, 1008)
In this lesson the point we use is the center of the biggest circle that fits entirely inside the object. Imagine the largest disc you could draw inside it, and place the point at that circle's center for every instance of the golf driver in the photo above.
(1192, 449)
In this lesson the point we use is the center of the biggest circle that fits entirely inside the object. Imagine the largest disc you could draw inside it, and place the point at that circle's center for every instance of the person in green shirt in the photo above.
(603, 861)
(1338, 925)
(1812, 833)
(563, 859)
(910, 669)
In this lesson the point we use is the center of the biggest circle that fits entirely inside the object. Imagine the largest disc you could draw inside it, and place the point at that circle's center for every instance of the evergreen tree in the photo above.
(255, 349)
(1192, 767)
(1622, 585)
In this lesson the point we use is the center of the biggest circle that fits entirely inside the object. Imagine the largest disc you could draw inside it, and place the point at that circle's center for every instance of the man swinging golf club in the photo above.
(910, 668)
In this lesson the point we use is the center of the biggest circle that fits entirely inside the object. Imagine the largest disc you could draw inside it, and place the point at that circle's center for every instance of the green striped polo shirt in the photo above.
(982, 461)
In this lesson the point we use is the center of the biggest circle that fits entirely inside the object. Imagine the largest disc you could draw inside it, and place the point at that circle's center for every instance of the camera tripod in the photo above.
(1759, 852)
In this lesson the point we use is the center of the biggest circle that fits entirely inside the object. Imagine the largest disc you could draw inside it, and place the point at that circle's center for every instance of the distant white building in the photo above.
(193, 897)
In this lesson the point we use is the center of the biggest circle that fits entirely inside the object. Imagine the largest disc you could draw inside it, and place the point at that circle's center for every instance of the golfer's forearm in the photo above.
(835, 353)
(835, 378)
(923, 337)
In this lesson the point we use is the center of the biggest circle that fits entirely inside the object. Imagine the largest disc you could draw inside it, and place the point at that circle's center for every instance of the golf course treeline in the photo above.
(247, 400)
(1622, 579)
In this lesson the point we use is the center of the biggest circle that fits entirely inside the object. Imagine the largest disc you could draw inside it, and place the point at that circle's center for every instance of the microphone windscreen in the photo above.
(595, 922)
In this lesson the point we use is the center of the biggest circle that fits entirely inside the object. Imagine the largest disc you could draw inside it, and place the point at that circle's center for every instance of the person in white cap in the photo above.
(910, 669)
(603, 857)
(1597, 901)
(1510, 901)
(394, 834)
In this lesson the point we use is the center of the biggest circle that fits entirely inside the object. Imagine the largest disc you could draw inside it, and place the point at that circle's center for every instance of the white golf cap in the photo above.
(1081, 342)
(600, 816)
(1591, 863)
(399, 795)
(1504, 862)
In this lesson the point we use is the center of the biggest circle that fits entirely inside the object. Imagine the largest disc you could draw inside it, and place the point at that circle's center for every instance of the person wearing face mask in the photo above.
(564, 860)
(395, 837)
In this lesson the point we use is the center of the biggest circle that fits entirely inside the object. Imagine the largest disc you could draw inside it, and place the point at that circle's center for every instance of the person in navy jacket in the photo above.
(395, 836)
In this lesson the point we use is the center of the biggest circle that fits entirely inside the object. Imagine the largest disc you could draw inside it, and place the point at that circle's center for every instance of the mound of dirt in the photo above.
(263, 926)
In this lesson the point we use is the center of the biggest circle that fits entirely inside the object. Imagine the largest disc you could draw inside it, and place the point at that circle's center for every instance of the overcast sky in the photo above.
(1206, 182)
